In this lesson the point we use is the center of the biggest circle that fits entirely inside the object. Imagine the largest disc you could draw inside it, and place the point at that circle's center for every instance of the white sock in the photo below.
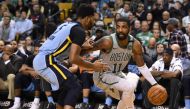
(17, 100)
(36, 100)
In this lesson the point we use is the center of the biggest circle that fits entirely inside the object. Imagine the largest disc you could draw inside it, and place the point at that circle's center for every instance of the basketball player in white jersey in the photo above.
(116, 50)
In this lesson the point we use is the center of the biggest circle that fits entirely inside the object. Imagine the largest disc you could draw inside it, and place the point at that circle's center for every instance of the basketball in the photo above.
(157, 96)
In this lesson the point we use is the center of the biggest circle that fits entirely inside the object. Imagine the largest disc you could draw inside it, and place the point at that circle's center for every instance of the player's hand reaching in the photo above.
(100, 66)
(88, 44)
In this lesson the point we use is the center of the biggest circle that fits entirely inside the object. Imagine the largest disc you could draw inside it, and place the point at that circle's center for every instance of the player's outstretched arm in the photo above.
(138, 54)
(74, 58)
(104, 44)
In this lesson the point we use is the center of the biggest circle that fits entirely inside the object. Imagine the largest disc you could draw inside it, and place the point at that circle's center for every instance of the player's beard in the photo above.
(121, 36)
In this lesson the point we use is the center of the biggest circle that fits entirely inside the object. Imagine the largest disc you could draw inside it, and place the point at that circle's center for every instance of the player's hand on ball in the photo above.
(157, 95)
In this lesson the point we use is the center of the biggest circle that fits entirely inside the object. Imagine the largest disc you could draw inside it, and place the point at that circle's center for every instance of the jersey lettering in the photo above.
(119, 56)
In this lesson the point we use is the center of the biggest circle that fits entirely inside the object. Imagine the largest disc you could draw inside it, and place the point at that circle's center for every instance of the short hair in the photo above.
(173, 21)
(85, 10)
(123, 19)
(37, 44)
(168, 51)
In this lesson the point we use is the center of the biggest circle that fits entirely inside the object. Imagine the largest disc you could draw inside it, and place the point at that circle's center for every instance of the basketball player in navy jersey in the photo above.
(116, 51)
(66, 43)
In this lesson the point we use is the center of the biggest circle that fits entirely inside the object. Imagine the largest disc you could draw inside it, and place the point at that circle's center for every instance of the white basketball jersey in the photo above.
(118, 57)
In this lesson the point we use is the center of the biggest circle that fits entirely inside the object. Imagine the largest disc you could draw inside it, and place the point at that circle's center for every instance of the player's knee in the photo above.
(133, 81)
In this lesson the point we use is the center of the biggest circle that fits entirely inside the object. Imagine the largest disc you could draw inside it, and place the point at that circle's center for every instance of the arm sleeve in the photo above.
(77, 35)
(147, 75)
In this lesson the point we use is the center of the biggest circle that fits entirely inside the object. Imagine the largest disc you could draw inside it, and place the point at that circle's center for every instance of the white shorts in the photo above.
(113, 84)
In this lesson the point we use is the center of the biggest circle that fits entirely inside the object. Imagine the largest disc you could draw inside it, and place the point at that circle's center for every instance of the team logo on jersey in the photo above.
(120, 56)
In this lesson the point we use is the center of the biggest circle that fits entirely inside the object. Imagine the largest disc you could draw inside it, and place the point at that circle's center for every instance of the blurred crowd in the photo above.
(157, 24)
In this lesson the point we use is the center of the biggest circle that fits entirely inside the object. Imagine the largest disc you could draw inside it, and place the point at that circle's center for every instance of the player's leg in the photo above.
(36, 102)
(185, 82)
(21, 82)
(125, 84)
(46, 87)
(87, 82)
(70, 87)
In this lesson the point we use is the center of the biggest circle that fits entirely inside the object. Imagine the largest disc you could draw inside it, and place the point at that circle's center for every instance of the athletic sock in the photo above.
(85, 100)
(17, 100)
(36, 100)
(50, 99)
(108, 101)
(187, 103)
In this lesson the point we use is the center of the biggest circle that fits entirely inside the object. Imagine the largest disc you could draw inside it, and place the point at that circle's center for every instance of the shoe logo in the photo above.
(5, 103)
(27, 104)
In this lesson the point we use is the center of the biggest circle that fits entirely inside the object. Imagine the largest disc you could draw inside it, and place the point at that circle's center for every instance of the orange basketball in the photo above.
(157, 96)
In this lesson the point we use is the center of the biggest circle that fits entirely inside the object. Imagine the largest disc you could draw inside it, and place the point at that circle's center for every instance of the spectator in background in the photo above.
(18, 50)
(145, 35)
(17, 15)
(186, 19)
(168, 72)
(51, 12)
(150, 20)
(4, 8)
(7, 32)
(157, 10)
(186, 74)
(29, 48)
(157, 36)
(116, 16)
(124, 11)
(186, 5)
(141, 13)
(94, 4)
(160, 47)
(164, 21)
(148, 4)
(106, 11)
(169, 4)
(151, 48)
(131, 18)
(21, 5)
(187, 38)
(7, 72)
(8, 14)
(2, 45)
(27, 80)
(31, 9)
(38, 19)
(177, 10)
(136, 28)
(118, 4)
(177, 36)
(23, 26)
(134, 5)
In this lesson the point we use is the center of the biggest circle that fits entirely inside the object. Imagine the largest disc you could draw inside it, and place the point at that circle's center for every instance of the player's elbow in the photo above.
(73, 60)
